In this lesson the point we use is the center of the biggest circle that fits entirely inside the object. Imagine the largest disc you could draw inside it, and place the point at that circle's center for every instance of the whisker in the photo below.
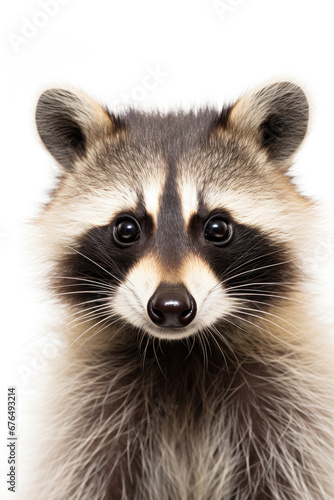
(156, 357)
(262, 256)
(91, 312)
(85, 280)
(89, 319)
(274, 315)
(107, 260)
(69, 286)
(101, 329)
(84, 291)
(261, 328)
(263, 293)
(208, 343)
(258, 269)
(92, 261)
(224, 280)
(145, 350)
(93, 326)
(85, 319)
(235, 326)
(90, 308)
(252, 301)
(204, 350)
(256, 244)
(245, 311)
(112, 323)
(192, 347)
(220, 349)
(278, 283)
(220, 334)
(99, 299)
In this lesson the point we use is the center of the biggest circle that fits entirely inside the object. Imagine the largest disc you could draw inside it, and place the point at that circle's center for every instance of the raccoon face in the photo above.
(175, 224)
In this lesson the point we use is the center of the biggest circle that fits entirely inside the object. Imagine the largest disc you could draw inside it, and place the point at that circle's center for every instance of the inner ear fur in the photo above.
(68, 122)
(276, 117)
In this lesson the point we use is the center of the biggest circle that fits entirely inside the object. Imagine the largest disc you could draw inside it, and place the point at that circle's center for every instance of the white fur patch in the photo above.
(152, 192)
(265, 211)
(187, 190)
(72, 217)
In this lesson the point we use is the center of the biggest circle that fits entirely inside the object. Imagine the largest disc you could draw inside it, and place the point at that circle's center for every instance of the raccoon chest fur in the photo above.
(176, 247)
(173, 429)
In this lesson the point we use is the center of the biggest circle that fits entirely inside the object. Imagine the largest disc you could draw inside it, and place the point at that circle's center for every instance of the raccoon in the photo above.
(176, 246)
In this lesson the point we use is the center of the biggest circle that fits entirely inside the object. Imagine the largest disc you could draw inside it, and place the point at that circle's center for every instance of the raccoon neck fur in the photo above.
(183, 420)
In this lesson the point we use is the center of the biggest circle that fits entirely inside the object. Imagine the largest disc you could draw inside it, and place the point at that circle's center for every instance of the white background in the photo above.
(203, 51)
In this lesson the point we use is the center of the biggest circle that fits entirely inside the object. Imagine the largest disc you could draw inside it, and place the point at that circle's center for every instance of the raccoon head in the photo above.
(175, 223)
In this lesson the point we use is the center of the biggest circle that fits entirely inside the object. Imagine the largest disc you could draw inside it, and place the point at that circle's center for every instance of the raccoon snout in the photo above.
(171, 306)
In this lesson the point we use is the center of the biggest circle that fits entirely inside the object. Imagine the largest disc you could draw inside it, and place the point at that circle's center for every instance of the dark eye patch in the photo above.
(252, 266)
(99, 265)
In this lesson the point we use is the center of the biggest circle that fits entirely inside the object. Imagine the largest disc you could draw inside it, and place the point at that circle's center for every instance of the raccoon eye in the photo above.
(126, 231)
(218, 230)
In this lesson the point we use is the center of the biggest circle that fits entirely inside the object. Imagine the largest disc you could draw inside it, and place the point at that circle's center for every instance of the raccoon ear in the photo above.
(276, 116)
(68, 122)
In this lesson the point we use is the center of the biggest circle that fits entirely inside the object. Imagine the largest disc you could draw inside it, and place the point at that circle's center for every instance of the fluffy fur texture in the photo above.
(237, 405)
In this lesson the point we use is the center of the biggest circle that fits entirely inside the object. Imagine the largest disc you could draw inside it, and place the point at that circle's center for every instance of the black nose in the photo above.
(171, 306)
